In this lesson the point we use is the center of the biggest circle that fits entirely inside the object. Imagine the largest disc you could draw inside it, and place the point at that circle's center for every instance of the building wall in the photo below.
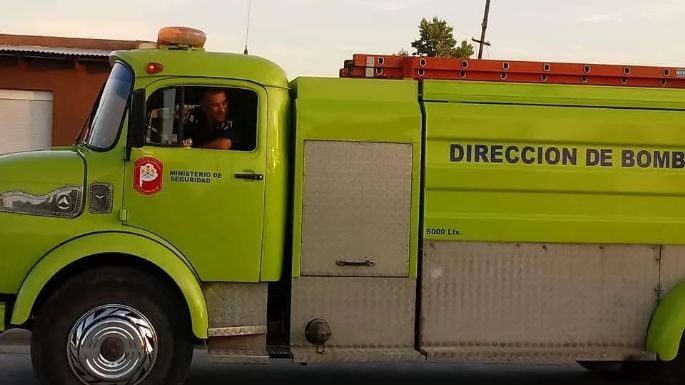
(74, 83)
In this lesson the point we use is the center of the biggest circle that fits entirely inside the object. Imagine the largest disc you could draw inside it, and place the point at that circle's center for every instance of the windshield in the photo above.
(109, 111)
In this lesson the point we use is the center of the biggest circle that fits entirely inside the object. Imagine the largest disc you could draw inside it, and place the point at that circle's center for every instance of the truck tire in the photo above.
(112, 325)
(670, 372)
(602, 367)
(629, 370)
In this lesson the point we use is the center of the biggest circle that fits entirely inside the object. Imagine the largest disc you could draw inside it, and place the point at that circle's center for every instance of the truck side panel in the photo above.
(545, 211)
(356, 206)
(519, 202)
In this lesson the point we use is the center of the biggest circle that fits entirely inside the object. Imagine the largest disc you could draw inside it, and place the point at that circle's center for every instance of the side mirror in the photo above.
(136, 122)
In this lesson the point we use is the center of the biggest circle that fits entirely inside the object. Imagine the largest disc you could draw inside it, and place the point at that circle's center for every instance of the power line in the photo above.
(482, 40)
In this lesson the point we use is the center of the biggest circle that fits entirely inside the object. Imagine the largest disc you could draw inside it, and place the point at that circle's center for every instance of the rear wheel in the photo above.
(633, 370)
(112, 325)
(670, 372)
(603, 367)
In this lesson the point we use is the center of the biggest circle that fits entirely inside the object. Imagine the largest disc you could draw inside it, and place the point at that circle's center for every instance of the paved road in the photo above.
(15, 369)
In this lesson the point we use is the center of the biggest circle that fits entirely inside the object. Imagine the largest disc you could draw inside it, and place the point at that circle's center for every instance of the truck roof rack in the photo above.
(422, 67)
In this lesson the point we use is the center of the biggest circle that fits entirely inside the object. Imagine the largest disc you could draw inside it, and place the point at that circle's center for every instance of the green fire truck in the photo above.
(415, 209)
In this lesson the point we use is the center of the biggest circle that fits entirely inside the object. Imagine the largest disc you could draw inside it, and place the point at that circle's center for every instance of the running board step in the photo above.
(238, 349)
(236, 357)
(236, 331)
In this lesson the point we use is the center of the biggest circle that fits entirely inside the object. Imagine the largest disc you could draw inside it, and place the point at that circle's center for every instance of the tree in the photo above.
(402, 52)
(436, 39)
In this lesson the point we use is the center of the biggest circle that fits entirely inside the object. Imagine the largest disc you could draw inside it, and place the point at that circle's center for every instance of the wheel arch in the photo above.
(82, 253)
(667, 324)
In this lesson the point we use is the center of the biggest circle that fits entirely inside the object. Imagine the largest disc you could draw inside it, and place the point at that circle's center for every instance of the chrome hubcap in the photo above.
(112, 344)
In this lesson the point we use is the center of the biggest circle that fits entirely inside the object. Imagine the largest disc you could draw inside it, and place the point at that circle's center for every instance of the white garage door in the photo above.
(25, 120)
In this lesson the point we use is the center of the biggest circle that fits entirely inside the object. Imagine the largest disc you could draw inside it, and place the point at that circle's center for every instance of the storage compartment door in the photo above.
(356, 208)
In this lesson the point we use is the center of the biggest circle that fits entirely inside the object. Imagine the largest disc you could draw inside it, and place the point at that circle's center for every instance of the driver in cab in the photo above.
(208, 126)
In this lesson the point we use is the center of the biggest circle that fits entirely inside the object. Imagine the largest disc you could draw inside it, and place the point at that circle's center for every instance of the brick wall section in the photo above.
(75, 82)
(74, 85)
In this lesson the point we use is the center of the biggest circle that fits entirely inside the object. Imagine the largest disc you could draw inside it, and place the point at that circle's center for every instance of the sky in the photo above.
(314, 37)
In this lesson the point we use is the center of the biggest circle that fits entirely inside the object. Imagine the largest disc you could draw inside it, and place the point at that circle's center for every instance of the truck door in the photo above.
(208, 203)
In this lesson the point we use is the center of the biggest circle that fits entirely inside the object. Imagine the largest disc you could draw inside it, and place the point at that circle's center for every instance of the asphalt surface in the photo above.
(15, 369)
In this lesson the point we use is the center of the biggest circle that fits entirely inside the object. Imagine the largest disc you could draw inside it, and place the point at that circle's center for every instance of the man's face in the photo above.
(215, 106)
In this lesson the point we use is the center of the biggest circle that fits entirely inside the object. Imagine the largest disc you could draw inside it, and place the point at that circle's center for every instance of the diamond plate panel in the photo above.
(235, 331)
(371, 313)
(356, 355)
(672, 267)
(240, 349)
(356, 208)
(235, 304)
(543, 356)
(489, 299)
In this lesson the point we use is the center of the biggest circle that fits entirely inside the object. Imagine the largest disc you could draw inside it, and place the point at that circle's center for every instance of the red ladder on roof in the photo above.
(416, 67)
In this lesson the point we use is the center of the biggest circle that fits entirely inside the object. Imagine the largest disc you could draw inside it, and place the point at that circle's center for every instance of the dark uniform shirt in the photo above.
(196, 128)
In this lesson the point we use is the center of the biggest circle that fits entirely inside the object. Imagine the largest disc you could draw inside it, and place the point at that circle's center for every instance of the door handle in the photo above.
(368, 262)
(249, 176)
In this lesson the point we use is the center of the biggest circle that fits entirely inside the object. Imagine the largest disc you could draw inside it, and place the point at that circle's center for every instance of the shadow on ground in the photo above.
(417, 373)
(15, 368)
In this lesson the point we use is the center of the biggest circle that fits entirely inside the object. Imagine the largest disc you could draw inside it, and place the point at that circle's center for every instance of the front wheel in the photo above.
(112, 325)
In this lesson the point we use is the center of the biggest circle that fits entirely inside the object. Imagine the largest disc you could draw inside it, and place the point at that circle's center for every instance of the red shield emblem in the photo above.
(147, 176)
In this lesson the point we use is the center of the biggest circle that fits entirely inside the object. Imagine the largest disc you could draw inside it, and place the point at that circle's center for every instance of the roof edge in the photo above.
(69, 42)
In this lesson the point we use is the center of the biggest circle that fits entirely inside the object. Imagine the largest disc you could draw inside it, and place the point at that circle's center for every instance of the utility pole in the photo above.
(482, 41)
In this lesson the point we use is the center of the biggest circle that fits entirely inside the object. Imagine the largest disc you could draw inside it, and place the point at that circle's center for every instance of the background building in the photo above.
(48, 86)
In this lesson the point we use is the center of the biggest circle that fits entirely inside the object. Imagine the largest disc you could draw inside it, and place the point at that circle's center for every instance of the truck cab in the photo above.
(218, 216)
(225, 210)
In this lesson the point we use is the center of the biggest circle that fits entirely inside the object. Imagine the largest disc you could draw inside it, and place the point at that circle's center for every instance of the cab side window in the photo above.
(203, 117)
(163, 118)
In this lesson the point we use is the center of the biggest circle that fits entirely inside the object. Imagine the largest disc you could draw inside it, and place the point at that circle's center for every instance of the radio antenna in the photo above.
(247, 32)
